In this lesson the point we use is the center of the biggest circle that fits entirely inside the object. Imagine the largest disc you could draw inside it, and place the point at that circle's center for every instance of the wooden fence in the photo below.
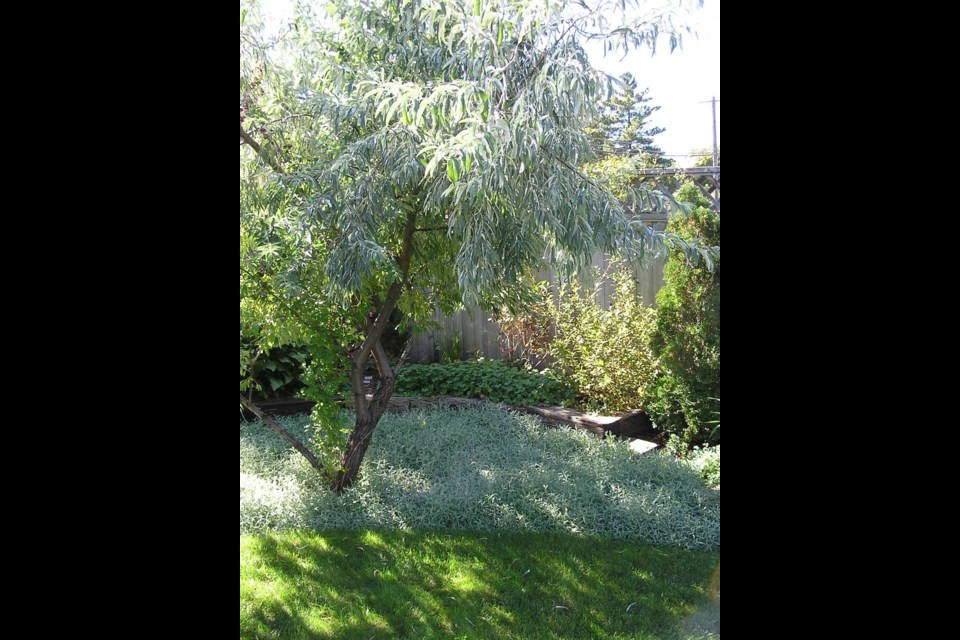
(478, 334)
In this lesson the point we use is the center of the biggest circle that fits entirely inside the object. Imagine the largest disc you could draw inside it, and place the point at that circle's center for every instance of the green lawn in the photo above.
(368, 586)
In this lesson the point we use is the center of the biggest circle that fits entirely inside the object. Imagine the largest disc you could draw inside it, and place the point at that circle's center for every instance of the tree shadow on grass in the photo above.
(411, 585)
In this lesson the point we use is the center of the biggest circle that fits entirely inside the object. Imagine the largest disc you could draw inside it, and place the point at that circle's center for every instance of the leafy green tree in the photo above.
(623, 127)
(413, 154)
(282, 258)
(622, 142)
(280, 305)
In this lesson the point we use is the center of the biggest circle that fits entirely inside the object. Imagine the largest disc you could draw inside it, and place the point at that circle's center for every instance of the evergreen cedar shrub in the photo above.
(684, 402)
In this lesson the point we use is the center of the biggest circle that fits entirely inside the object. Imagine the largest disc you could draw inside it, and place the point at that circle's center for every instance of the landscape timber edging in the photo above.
(631, 426)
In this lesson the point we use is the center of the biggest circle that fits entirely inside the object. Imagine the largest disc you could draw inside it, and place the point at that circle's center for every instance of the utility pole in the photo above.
(716, 147)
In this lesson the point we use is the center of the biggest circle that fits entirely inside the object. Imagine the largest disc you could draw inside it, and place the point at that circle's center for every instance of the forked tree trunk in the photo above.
(369, 412)
(353, 457)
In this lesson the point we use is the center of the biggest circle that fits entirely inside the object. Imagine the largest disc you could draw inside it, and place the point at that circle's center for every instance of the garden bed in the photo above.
(633, 426)
(480, 470)
(280, 407)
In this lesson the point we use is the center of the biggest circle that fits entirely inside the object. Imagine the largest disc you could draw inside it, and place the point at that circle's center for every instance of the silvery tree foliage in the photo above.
(424, 153)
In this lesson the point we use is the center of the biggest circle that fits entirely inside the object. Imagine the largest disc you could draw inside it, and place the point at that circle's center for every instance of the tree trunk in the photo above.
(369, 413)
(353, 457)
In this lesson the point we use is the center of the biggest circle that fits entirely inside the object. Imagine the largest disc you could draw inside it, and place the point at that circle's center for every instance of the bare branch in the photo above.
(269, 159)
(283, 433)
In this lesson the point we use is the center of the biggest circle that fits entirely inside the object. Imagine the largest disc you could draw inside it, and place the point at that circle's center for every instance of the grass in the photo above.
(373, 585)
(481, 470)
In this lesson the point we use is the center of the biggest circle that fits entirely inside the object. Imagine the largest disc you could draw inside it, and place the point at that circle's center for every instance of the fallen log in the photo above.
(633, 425)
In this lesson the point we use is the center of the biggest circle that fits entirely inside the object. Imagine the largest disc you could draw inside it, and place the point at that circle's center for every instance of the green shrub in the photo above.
(687, 337)
(273, 372)
(606, 352)
(684, 410)
(526, 336)
(707, 463)
(493, 380)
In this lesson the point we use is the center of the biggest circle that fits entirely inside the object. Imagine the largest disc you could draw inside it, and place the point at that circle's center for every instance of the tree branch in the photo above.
(393, 295)
(376, 329)
(360, 403)
(246, 137)
(283, 433)
(541, 58)
(383, 362)
(294, 116)
(572, 168)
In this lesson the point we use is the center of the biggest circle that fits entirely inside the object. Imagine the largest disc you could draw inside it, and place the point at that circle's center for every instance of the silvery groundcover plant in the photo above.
(481, 470)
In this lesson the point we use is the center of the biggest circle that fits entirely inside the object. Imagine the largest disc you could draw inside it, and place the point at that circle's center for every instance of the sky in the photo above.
(681, 83)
